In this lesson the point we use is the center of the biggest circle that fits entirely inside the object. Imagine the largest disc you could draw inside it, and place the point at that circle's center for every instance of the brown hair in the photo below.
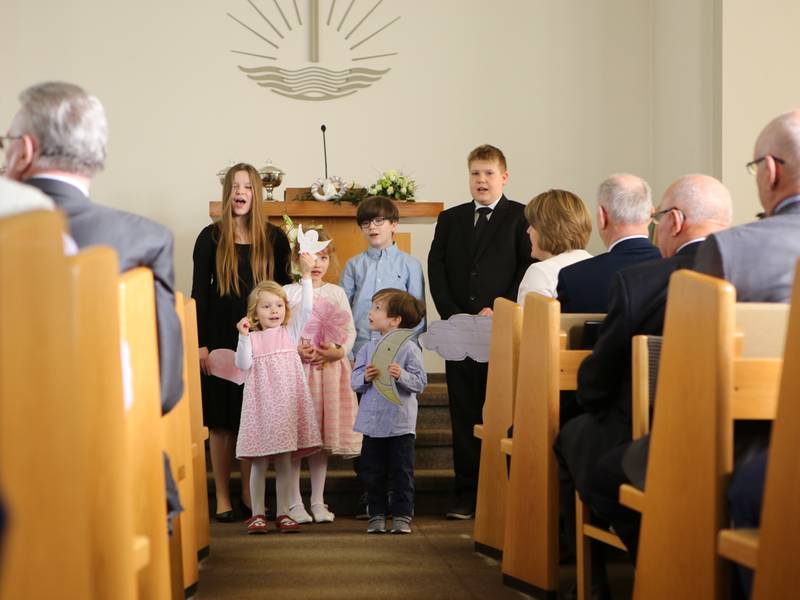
(252, 301)
(401, 304)
(488, 152)
(377, 206)
(330, 249)
(561, 219)
(262, 259)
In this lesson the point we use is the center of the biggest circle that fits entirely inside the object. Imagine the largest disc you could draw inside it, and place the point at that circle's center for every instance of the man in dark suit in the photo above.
(692, 208)
(57, 143)
(480, 252)
(624, 210)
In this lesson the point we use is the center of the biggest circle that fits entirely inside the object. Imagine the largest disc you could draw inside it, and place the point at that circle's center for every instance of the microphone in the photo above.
(325, 149)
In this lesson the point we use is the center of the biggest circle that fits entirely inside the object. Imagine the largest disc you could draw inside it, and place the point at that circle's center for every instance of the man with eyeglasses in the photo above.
(692, 208)
(57, 143)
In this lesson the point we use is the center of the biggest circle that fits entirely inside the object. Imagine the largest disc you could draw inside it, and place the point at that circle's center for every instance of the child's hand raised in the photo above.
(394, 370)
(371, 372)
(306, 263)
(244, 326)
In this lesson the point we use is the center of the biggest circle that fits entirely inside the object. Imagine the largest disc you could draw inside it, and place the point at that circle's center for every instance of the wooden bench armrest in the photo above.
(204, 435)
(506, 445)
(141, 552)
(477, 431)
(604, 535)
(632, 497)
(195, 450)
(739, 545)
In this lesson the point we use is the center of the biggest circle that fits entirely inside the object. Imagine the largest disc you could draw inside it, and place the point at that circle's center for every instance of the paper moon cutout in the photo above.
(385, 354)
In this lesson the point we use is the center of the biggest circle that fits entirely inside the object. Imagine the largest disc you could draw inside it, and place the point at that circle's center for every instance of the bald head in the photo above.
(779, 172)
(705, 207)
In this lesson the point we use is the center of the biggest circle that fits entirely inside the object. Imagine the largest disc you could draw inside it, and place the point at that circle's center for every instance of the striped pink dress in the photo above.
(335, 402)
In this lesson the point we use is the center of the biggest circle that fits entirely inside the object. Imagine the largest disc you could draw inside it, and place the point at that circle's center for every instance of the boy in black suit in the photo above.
(480, 252)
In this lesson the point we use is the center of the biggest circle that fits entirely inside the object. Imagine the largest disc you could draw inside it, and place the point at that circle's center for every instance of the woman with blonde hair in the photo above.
(231, 257)
(559, 225)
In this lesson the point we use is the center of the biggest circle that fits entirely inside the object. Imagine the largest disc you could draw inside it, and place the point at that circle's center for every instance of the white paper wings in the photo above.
(309, 241)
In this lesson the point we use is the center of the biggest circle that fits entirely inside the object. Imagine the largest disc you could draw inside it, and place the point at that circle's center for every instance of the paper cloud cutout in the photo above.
(309, 241)
(459, 336)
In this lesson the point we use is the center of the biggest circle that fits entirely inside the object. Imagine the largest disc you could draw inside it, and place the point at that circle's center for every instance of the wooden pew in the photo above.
(703, 387)
(178, 444)
(497, 413)
(96, 333)
(530, 553)
(46, 550)
(199, 432)
(144, 429)
(774, 550)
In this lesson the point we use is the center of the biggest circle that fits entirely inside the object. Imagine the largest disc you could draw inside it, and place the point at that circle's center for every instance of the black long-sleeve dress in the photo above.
(217, 316)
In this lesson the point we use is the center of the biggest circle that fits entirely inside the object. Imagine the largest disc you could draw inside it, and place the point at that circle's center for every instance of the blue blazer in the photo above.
(583, 286)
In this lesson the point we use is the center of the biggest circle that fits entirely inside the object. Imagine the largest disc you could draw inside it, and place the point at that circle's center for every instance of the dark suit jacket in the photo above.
(583, 287)
(466, 279)
(637, 302)
(139, 242)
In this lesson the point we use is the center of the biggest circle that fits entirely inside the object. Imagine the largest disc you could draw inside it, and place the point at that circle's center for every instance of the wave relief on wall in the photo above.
(294, 43)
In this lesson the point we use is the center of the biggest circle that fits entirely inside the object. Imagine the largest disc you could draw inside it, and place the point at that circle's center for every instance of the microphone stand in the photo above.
(325, 150)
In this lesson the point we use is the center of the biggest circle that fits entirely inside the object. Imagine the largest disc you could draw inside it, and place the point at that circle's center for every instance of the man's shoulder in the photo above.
(131, 222)
(458, 209)
(748, 234)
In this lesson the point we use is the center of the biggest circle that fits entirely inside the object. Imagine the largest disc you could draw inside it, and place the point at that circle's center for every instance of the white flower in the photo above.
(390, 190)
(403, 191)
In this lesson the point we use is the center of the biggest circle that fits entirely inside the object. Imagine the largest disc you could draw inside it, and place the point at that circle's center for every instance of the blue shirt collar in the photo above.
(786, 202)
(375, 254)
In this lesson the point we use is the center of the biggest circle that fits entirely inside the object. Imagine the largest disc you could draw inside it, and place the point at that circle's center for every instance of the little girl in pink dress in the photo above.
(278, 417)
(327, 339)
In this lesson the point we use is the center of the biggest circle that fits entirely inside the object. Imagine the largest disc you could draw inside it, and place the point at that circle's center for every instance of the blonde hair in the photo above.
(490, 153)
(561, 219)
(330, 249)
(262, 259)
(271, 287)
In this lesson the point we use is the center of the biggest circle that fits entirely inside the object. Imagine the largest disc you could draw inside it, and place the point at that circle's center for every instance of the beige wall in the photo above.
(549, 82)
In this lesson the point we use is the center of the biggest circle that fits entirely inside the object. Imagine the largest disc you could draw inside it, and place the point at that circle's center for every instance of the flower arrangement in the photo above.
(394, 185)
(332, 188)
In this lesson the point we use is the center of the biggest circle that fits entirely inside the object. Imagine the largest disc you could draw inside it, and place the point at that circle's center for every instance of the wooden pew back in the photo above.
(497, 415)
(530, 553)
(44, 555)
(95, 320)
(143, 423)
(779, 544)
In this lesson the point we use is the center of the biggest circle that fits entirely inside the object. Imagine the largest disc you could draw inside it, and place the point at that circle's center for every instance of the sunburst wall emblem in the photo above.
(348, 37)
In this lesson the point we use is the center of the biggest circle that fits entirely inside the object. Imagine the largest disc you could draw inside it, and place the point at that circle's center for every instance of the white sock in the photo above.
(258, 474)
(283, 484)
(318, 465)
(296, 497)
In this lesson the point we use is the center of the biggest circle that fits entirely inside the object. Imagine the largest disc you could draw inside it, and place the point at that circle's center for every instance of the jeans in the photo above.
(384, 460)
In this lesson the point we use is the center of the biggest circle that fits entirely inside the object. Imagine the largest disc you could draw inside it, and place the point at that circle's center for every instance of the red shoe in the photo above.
(257, 524)
(286, 524)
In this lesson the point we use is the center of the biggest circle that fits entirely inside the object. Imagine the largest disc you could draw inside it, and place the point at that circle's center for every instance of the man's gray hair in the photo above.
(69, 125)
(626, 198)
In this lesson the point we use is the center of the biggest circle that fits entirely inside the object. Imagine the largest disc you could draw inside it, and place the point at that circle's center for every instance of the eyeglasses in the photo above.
(8, 137)
(658, 215)
(752, 166)
(376, 221)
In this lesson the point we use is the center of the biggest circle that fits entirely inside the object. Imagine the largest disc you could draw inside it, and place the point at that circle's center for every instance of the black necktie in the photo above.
(481, 223)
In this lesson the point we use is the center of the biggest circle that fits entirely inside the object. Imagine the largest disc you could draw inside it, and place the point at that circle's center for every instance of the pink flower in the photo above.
(328, 323)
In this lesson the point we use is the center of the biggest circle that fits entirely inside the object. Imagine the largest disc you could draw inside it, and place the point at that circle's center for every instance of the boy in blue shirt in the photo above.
(383, 265)
(387, 452)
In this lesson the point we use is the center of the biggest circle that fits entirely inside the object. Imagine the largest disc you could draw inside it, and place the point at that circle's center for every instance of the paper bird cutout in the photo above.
(220, 364)
(385, 354)
(309, 241)
(460, 336)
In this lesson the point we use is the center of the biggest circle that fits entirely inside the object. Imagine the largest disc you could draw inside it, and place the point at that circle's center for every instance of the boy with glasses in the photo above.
(382, 265)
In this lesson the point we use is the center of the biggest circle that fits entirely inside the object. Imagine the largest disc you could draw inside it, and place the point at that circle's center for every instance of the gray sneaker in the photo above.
(377, 524)
(401, 524)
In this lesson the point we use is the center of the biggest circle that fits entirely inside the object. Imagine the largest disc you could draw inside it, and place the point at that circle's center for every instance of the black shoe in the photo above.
(461, 510)
(226, 517)
(362, 511)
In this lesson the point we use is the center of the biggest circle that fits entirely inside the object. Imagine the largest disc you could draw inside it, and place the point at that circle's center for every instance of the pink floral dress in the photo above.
(335, 403)
(277, 410)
